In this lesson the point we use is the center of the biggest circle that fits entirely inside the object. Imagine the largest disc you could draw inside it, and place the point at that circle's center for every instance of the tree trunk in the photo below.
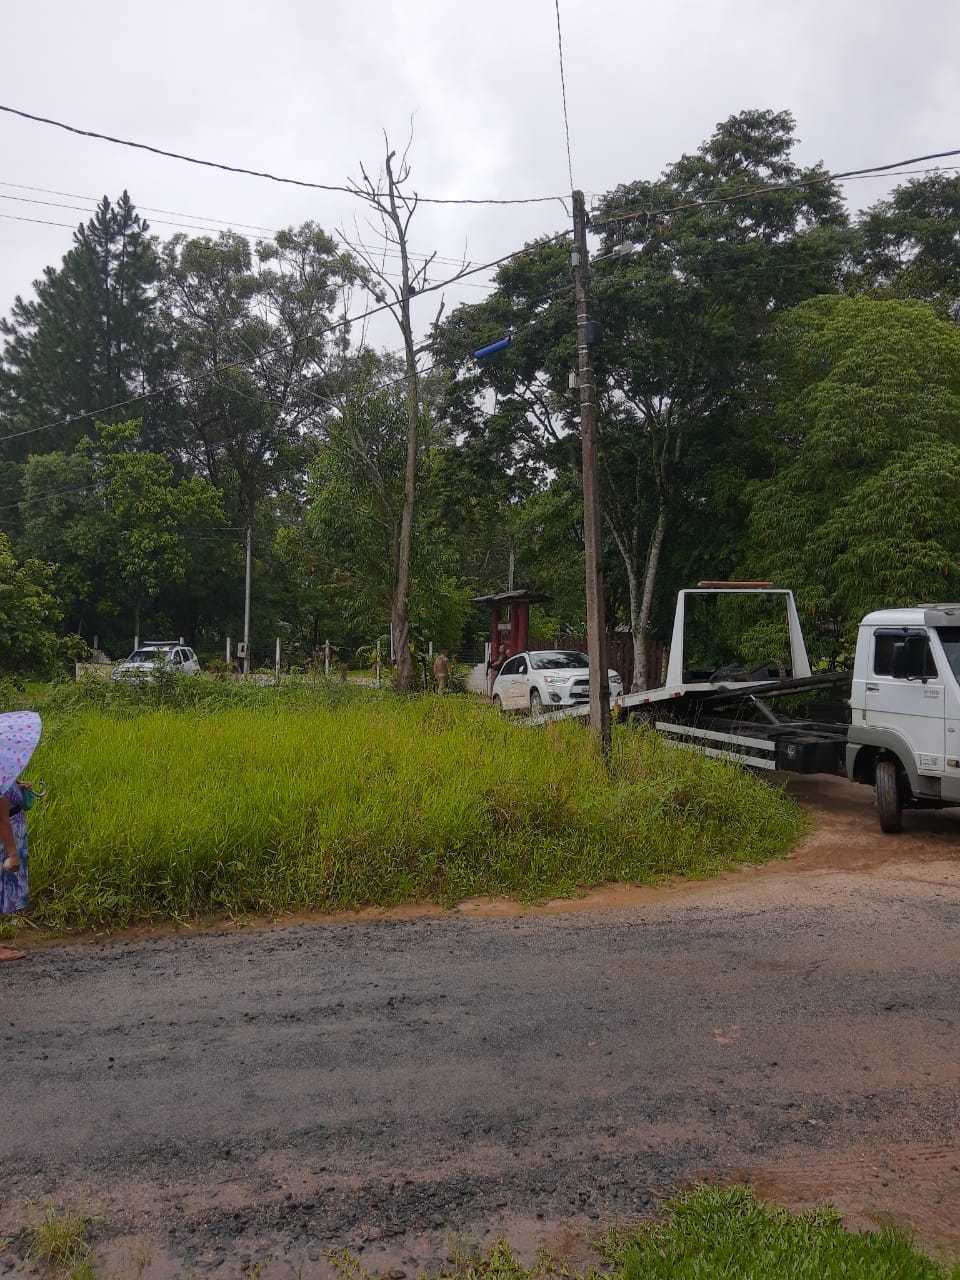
(639, 644)
(641, 676)
(625, 545)
(400, 612)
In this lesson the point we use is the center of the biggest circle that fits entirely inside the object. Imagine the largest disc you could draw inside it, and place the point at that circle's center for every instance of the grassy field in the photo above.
(178, 803)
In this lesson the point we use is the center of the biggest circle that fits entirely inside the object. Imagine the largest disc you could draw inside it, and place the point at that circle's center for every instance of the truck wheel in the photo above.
(536, 703)
(889, 804)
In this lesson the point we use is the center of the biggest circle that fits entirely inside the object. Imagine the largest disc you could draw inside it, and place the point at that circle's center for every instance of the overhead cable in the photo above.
(563, 94)
(846, 175)
(260, 173)
(197, 220)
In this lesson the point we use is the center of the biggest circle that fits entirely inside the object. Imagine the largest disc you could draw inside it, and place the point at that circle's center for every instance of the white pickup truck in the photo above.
(894, 724)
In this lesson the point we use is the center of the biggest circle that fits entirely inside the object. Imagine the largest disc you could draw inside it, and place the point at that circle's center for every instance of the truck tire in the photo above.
(889, 802)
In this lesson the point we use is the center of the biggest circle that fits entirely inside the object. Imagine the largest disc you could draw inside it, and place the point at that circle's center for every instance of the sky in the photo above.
(306, 88)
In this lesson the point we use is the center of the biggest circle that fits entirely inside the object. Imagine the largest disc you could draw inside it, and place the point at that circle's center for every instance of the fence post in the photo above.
(228, 651)
(326, 658)
(278, 659)
(379, 661)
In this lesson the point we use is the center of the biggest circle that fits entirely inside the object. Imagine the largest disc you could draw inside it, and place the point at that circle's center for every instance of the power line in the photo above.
(180, 383)
(847, 175)
(173, 213)
(43, 222)
(53, 204)
(259, 173)
(46, 222)
(197, 219)
(563, 91)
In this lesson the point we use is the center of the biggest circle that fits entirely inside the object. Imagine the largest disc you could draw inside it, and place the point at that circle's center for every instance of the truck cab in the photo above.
(904, 735)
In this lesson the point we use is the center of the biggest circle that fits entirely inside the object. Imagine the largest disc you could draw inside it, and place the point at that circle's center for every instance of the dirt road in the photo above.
(385, 1084)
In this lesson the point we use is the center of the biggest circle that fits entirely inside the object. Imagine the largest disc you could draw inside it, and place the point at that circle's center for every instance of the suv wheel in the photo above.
(536, 703)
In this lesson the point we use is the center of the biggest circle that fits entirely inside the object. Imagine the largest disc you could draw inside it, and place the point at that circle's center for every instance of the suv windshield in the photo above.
(147, 655)
(560, 660)
(950, 639)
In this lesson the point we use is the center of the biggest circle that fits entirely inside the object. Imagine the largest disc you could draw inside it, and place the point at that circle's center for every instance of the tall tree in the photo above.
(859, 406)
(87, 339)
(355, 520)
(909, 244)
(254, 333)
(395, 205)
(684, 315)
(681, 315)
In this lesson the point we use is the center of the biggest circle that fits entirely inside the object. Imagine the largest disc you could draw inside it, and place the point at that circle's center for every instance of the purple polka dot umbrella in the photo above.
(19, 735)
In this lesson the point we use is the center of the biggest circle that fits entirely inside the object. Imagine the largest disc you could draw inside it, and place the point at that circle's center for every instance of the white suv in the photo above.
(143, 662)
(545, 678)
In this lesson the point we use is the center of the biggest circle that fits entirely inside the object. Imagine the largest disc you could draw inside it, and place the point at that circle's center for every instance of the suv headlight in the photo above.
(557, 679)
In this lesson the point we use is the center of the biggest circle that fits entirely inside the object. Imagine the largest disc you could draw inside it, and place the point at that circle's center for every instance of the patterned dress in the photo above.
(13, 884)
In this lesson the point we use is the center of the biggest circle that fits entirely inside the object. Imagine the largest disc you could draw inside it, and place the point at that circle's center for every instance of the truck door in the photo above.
(904, 692)
(949, 657)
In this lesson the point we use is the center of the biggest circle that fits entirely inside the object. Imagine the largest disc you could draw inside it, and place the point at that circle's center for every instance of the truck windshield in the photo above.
(950, 639)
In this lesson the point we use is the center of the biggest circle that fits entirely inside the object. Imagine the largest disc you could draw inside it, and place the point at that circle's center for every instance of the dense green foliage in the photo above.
(311, 796)
(862, 413)
(29, 614)
(773, 399)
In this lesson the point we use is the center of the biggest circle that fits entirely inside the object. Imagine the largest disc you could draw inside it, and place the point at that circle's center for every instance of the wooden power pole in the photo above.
(593, 553)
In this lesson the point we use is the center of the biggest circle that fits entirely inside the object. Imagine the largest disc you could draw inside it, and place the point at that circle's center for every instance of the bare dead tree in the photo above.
(395, 205)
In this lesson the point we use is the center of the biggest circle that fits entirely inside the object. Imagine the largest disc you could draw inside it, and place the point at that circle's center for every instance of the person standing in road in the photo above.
(442, 670)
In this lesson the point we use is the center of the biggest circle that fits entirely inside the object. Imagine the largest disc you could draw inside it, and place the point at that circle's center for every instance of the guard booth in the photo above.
(510, 617)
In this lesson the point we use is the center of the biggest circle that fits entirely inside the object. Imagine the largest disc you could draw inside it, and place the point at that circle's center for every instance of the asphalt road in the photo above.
(383, 1084)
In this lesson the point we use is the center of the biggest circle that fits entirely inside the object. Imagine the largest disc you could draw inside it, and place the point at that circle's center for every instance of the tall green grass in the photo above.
(260, 803)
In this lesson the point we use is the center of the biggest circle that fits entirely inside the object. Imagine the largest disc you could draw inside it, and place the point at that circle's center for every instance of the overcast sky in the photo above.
(306, 88)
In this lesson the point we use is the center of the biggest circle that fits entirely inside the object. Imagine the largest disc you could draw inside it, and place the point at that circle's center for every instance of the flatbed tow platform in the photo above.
(728, 714)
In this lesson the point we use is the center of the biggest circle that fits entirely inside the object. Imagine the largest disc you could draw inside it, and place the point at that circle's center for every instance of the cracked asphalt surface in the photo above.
(389, 1085)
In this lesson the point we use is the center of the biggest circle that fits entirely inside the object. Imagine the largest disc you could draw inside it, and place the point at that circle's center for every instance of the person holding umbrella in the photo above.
(19, 735)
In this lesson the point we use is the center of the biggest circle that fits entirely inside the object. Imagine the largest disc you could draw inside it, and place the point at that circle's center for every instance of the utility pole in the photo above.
(593, 551)
(246, 602)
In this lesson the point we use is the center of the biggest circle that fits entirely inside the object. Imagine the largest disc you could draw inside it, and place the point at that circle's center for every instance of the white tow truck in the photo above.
(893, 723)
